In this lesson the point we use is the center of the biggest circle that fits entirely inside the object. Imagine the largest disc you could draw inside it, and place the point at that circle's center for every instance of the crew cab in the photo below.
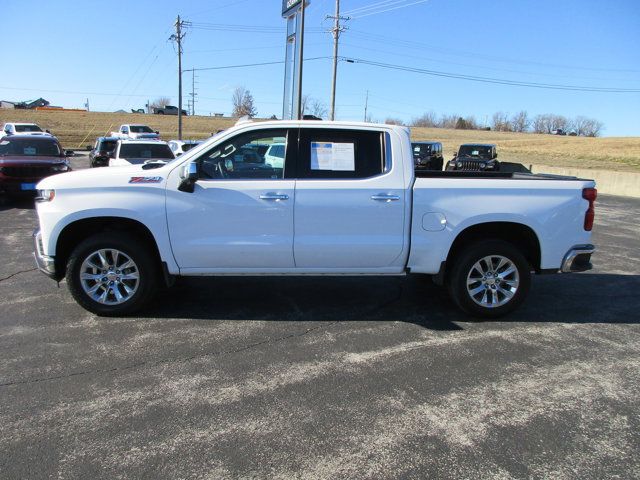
(475, 157)
(136, 131)
(135, 152)
(27, 159)
(22, 129)
(168, 110)
(117, 235)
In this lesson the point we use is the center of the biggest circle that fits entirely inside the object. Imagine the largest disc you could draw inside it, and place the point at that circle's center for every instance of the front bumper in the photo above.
(578, 259)
(45, 263)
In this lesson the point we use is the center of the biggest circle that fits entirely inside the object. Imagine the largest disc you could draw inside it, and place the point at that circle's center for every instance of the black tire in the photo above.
(139, 252)
(463, 268)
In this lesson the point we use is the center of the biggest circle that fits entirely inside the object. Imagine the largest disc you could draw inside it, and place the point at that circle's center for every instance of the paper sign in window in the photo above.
(333, 156)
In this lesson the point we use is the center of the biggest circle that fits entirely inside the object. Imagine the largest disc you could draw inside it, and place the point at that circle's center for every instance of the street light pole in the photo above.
(300, 39)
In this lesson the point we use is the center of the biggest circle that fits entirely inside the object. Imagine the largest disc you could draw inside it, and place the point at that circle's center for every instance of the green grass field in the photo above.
(78, 129)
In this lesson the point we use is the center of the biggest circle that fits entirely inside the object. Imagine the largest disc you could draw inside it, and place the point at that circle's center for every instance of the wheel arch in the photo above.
(520, 235)
(78, 230)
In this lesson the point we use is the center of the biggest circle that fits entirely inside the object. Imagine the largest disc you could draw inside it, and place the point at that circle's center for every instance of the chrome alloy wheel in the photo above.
(493, 281)
(109, 276)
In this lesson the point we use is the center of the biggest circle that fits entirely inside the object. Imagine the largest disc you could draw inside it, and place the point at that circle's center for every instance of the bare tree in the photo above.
(558, 122)
(306, 102)
(427, 120)
(520, 121)
(243, 103)
(500, 122)
(539, 124)
(448, 121)
(160, 102)
(593, 128)
(393, 121)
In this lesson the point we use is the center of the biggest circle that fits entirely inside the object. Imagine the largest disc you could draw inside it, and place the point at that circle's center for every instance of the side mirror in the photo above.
(495, 155)
(178, 154)
(69, 153)
(157, 132)
(189, 177)
(48, 131)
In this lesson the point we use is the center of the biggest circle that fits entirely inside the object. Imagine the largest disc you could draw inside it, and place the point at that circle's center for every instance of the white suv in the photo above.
(22, 129)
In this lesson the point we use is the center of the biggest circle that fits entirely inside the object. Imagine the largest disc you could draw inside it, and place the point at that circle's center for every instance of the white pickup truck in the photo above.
(136, 132)
(346, 201)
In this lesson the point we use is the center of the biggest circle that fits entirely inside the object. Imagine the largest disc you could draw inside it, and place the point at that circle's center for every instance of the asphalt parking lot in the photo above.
(323, 377)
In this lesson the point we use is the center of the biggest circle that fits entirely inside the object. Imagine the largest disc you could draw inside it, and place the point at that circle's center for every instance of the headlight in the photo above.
(459, 164)
(62, 167)
(482, 166)
(45, 195)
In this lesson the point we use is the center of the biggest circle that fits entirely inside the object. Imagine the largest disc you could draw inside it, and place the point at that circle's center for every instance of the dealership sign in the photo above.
(288, 5)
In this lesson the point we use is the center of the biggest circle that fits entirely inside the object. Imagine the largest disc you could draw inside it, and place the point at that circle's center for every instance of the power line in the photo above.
(372, 37)
(384, 10)
(277, 62)
(499, 81)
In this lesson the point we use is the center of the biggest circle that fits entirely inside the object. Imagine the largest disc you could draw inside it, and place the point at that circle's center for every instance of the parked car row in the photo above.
(478, 157)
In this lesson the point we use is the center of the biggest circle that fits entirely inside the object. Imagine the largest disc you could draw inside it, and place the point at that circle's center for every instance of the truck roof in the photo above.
(478, 145)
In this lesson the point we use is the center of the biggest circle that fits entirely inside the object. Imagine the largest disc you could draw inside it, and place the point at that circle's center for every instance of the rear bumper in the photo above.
(45, 263)
(578, 259)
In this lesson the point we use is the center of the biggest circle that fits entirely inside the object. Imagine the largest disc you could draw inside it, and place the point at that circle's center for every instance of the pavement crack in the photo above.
(164, 361)
(17, 273)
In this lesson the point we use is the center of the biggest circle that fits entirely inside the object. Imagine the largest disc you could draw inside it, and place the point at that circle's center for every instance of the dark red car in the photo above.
(27, 159)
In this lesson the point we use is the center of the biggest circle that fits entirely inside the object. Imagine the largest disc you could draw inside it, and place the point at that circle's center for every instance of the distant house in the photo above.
(7, 104)
(31, 104)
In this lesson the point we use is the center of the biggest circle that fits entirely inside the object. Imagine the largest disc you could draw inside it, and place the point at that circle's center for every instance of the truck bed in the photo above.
(493, 175)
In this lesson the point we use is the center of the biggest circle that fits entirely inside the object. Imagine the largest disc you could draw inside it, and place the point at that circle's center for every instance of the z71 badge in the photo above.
(145, 180)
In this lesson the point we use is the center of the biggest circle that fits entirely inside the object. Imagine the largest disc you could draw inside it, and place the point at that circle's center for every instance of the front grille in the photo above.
(28, 171)
(470, 165)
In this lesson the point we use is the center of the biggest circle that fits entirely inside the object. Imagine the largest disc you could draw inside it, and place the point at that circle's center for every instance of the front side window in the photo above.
(245, 157)
(340, 154)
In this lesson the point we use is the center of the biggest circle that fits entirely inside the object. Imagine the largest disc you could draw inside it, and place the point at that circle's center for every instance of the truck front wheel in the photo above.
(112, 274)
(489, 278)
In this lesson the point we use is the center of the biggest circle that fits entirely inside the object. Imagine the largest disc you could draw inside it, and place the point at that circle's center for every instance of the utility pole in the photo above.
(336, 31)
(300, 39)
(366, 104)
(193, 92)
(177, 37)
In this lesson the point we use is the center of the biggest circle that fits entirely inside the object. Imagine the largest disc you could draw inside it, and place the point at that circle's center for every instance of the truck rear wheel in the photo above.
(112, 274)
(489, 278)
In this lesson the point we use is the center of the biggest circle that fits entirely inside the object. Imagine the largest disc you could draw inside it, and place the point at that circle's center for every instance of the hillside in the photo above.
(78, 129)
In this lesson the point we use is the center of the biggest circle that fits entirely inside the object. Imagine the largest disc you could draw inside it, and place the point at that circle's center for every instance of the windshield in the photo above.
(24, 147)
(475, 151)
(145, 151)
(421, 149)
(108, 146)
(28, 128)
(141, 129)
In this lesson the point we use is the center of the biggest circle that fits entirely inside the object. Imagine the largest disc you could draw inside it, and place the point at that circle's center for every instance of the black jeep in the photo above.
(477, 157)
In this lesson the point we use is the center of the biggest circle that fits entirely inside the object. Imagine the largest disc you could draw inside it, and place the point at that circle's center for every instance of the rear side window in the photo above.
(341, 154)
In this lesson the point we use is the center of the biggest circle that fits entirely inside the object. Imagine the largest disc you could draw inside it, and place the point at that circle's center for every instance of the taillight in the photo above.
(589, 194)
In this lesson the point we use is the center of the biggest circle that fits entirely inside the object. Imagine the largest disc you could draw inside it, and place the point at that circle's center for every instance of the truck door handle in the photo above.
(385, 197)
(274, 196)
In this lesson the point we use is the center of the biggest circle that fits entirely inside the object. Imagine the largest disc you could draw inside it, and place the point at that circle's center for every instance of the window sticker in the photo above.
(29, 150)
(333, 156)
